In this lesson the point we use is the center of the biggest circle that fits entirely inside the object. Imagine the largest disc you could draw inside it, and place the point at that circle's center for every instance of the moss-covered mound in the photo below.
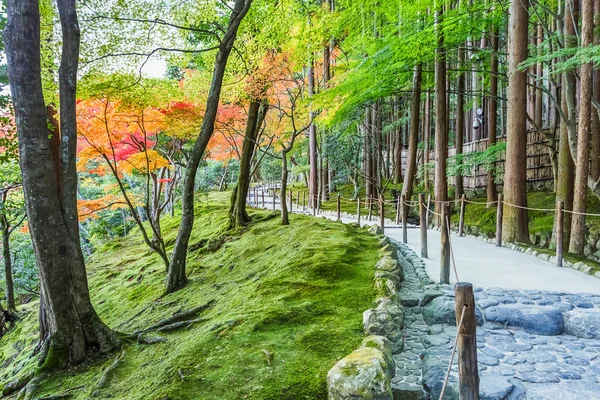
(289, 301)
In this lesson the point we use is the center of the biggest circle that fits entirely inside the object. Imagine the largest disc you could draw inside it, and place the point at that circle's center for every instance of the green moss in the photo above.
(296, 291)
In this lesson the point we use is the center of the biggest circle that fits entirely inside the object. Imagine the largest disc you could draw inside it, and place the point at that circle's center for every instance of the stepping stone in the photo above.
(533, 319)
(538, 377)
(429, 295)
(583, 323)
(493, 387)
(441, 310)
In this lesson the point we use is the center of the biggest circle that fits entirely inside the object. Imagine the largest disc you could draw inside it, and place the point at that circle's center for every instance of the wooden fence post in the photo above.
(468, 375)
(370, 202)
(358, 210)
(404, 220)
(445, 252)
(398, 203)
(304, 201)
(314, 206)
(274, 196)
(291, 200)
(428, 208)
(461, 221)
(499, 213)
(262, 194)
(381, 214)
(339, 216)
(560, 217)
(423, 223)
(298, 199)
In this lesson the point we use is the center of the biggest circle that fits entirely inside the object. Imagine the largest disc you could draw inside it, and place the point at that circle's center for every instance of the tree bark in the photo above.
(70, 328)
(237, 212)
(427, 140)
(441, 128)
(595, 129)
(413, 141)
(8, 277)
(578, 228)
(460, 120)
(515, 192)
(313, 181)
(492, 113)
(176, 276)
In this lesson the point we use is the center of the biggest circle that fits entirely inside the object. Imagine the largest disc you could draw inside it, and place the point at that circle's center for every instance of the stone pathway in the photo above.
(523, 350)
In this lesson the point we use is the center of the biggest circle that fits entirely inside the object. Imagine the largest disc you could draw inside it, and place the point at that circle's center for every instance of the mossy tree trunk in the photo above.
(492, 113)
(515, 191)
(8, 277)
(71, 329)
(176, 275)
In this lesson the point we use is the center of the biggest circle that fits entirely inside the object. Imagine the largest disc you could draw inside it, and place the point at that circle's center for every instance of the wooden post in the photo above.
(338, 208)
(303, 201)
(298, 199)
(461, 221)
(291, 200)
(262, 194)
(468, 375)
(314, 206)
(423, 223)
(499, 213)
(358, 210)
(560, 217)
(381, 214)
(404, 220)
(370, 207)
(428, 208)
(274, 196)
(398, 203)
(445, 252)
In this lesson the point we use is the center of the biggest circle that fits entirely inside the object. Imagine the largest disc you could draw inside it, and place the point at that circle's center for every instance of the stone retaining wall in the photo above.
(366, 373)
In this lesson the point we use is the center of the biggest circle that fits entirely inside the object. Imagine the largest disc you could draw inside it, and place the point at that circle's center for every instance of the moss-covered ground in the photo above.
(289, 301)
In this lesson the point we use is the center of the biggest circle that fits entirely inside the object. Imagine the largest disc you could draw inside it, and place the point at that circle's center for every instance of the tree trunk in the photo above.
(460, 120)
(285, 220)
(397, 144)
(237, 212)
(578, 229)
(492, 113)
(71, 330)
(441, 128)
(176, 276)
(539, 72)
(427, 140)
(10, 292)
(413, 141)
(595, 167)
(515, 191)
(313, 181)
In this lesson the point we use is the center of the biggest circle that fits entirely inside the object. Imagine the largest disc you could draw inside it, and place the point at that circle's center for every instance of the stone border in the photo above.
(367, 372)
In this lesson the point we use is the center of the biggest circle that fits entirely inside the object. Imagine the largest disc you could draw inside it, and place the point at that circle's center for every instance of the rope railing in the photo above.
(447, 377)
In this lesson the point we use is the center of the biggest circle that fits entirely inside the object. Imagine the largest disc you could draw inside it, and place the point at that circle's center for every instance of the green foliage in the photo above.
(462, 164)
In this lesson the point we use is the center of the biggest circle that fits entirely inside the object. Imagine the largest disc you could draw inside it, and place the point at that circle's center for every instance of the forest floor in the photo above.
(288, 305)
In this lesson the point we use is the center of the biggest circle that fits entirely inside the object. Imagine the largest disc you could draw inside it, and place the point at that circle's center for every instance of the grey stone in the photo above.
(537, 377)
(493, 387)
(485, 303)
(487, 360)
(429, 295)
(569, 375)
(435, 340)
(577, 361)
(584, 304)
(492, 352)
(385, 320)
(547, 368)
(539, 357)
(410, 301)
(441, 310)
(533, 319)
(583, 323)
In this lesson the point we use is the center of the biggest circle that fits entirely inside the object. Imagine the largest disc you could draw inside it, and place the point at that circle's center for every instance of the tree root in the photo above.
(106, 375)
(180, 324)
(32, 386)
(16, 385)
(173, 322)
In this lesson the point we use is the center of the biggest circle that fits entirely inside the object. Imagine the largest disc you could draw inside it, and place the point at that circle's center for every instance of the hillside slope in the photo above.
(288, 304)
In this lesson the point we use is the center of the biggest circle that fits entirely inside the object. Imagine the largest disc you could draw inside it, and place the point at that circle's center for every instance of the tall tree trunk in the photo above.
(492, 113)
(397, 144)
(427, 140)
(539, 72)
(176, 276)
(515, 191)
(595, 167)
(313, 180)
(460, 119)
(413, 140)
(441, 128)
(237, 211)
(285, 220)
(8, 277)
(578, 229)
(70, 330)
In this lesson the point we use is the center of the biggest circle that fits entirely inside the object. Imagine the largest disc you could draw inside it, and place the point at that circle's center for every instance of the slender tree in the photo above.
(441, 127)
(411, 167)
(515, 191)
(176, 275)
(578, 229)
